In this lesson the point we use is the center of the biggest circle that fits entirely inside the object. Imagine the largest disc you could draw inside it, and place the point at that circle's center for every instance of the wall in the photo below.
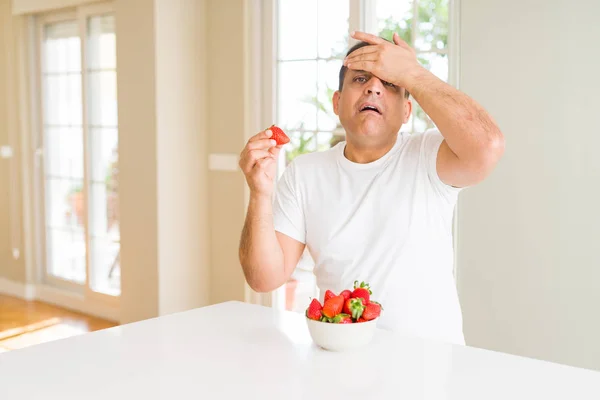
(10, 206)
(138, 184)
(182, 154)
(162, 118)
(226, 63)
(527, 258)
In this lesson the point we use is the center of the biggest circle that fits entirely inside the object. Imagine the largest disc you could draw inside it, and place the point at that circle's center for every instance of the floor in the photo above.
(26, 323)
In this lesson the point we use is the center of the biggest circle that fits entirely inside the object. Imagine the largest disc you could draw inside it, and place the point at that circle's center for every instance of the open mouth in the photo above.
(370, 107)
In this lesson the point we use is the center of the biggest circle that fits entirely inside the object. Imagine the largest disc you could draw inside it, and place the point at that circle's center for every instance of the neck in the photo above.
(363, 154)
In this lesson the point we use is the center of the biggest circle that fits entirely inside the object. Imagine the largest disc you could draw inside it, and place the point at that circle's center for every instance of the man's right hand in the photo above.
(258, 161)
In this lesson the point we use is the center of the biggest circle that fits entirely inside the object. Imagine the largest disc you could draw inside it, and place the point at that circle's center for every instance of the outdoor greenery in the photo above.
(432, 35)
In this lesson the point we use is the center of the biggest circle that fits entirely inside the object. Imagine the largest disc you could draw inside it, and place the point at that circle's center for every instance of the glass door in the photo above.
(80, 213)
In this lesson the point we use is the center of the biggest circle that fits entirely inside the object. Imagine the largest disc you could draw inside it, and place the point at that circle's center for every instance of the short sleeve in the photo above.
(432, 140)
(288, 213)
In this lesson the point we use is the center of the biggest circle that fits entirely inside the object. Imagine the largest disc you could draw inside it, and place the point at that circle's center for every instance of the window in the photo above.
(80, 227)
(312, 40)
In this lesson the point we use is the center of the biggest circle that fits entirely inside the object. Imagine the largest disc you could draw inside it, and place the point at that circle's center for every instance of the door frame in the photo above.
(51, 289)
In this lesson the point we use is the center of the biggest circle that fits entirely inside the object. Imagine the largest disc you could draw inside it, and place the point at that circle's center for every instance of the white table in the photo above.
(239, 351)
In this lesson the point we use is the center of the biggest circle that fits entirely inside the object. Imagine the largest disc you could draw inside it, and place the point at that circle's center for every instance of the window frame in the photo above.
(262, 44)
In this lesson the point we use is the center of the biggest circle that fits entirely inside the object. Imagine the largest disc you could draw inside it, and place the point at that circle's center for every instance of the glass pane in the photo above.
(436, 63)
(102, 43)
(422, 122)
(61, 48)
(102, 98)
(395, 16)
(103, 157)
(105, 235)
(66, 254)
(297, 87)
(300, 143)
(432, 32)
(333, 28)
(327, 140)
(106, 272)
(64, 152)
(297, 29)
(103, 151)
(328, 84)
(64, 203)
(62, 100)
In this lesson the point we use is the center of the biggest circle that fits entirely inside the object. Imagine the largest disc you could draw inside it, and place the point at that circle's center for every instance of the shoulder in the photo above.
(313, 161)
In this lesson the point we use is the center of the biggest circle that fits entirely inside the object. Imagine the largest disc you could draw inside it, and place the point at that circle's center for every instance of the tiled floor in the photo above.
(27, 323)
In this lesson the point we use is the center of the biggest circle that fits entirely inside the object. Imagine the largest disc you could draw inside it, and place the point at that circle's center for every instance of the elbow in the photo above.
(496, 146)
(490, 154)
(259, 286)
(255, 281)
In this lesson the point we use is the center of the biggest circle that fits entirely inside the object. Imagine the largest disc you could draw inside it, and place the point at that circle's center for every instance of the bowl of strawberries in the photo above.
(344, 321)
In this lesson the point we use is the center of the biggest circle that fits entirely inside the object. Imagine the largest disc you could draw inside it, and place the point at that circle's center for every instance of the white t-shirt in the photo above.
(388, 223)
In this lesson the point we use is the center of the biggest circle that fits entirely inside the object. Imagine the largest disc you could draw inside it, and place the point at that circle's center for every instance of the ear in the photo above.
(407, 110)
(336, 101)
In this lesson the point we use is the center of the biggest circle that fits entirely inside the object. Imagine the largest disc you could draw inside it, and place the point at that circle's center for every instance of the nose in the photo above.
(374, 87)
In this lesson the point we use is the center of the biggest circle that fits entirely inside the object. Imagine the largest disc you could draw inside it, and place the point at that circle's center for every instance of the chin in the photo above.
(371, 128)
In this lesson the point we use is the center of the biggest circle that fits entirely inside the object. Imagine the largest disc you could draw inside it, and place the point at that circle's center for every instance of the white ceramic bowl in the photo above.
(341, 337)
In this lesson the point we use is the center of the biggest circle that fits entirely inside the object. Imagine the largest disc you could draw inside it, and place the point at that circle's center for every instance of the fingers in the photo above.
(262, 144)
(363, 50)
(353, 60)
(367, 37)
(360, 56)
(261, 135)
(400, 42)
(249, 160)
(368, 66)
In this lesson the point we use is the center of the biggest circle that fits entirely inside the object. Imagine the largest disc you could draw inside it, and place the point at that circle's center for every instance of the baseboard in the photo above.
(17, 289)
(76, 302)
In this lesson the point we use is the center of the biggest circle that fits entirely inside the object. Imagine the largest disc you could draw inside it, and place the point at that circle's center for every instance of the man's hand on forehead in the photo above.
(394, 62)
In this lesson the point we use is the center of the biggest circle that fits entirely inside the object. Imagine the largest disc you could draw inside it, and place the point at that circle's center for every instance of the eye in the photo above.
(389, 84)
(360, 79)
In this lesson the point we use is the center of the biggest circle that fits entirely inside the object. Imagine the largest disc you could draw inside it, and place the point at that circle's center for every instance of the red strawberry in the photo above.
(278, 135)
(372, 311)
(363, 291)
(342, 319)
(329, 295)
(333, 306)
(353, 307)
(361, 319)
(314, 310)
(346, 293)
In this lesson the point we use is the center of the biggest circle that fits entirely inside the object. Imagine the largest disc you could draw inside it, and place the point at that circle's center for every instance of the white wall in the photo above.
(528, 264)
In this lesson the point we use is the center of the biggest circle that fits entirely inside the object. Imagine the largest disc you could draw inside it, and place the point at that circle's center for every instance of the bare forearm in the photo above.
(468, 129)
(260, 253)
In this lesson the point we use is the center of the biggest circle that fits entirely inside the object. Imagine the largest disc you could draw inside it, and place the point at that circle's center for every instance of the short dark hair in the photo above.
(344, 68)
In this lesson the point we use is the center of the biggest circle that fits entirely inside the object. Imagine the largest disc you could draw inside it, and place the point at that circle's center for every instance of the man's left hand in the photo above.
(394, 63)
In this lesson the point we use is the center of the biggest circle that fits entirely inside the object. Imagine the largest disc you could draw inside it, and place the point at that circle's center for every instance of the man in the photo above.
(378, 207)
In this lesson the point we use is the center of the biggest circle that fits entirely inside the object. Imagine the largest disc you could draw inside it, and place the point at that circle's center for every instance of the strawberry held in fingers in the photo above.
(314, 310)
(333, 306)
(278, 135)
